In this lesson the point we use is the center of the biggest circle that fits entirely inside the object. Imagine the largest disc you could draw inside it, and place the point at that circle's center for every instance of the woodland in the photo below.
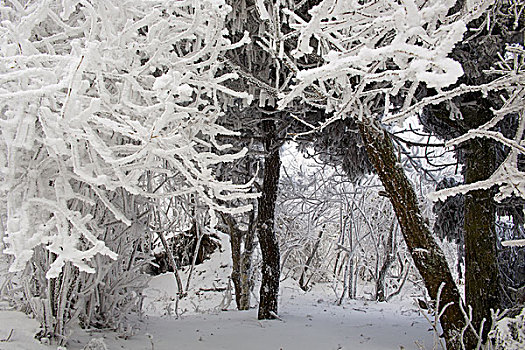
(374, 143)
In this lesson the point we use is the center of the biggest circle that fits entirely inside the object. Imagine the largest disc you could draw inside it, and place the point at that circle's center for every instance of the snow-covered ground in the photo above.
(310, 320)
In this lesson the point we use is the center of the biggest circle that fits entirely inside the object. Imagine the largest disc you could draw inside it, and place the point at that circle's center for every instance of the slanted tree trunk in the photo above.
(481, 269)
(268, 304)
(172, 262)
(427, 255)
(303, 281)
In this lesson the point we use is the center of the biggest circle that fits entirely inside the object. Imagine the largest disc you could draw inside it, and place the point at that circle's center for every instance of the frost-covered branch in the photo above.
(379, 49)
(97, 93)
(508, 177)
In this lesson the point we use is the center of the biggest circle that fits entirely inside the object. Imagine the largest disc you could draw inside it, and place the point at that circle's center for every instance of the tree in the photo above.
(262, 77)
(480, 156)
(386, 50)
(242, 226)
(95, 95)
(269, 291)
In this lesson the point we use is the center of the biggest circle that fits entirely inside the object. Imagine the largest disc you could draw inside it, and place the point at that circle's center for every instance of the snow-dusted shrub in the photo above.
(509, 332)
(98, 93)
(330, 229)
(94, 95)
(96, 344)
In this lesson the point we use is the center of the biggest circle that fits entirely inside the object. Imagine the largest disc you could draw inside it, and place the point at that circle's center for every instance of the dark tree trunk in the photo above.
(427, 255)
(265, 226)
(481, 270)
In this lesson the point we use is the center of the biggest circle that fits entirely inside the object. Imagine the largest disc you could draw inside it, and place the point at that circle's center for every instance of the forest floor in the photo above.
(309, 320)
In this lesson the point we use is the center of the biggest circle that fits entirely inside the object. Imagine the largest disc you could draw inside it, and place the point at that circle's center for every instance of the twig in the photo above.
(437, 315)
(8, 337)
(276, 316)
(200, 234)
(172, 262)
(217, 289)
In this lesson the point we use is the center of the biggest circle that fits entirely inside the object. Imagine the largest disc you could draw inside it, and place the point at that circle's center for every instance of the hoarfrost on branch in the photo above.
(95, 94)
(379, 49)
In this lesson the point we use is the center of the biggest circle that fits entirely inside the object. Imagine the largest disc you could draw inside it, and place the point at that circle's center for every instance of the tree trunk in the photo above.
(235, 245)
(427, 255)
(265, 226)
(389, 260)
(242, 260)
(481, 270)
(172, 262)
(303, 281)
(246, 266)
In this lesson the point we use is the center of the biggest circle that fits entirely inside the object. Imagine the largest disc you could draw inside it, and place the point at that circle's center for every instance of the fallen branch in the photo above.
(216, 289)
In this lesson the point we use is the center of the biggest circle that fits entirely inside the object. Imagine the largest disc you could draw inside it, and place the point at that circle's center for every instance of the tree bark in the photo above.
(172, 263)
(303, 281)
(268, 304)
(242, 260)
(389, 260)
(246, 266)
(427, 255)
(481, 269)
(235, 245)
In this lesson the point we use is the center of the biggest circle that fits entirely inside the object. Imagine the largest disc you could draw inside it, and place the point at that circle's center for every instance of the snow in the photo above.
(23, 328)
(514, 243)
(305, 325)
(164, 117)
(309, 320)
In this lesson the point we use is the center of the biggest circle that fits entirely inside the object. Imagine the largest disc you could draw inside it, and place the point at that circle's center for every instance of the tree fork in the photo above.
(242, 260)
(235, 245)
(427, 255)
(269, 291)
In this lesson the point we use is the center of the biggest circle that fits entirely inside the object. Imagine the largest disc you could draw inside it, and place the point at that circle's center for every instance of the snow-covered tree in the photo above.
(332, 229)
(104, 105)
(372, 58)
(98, 93)
(509, 177)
